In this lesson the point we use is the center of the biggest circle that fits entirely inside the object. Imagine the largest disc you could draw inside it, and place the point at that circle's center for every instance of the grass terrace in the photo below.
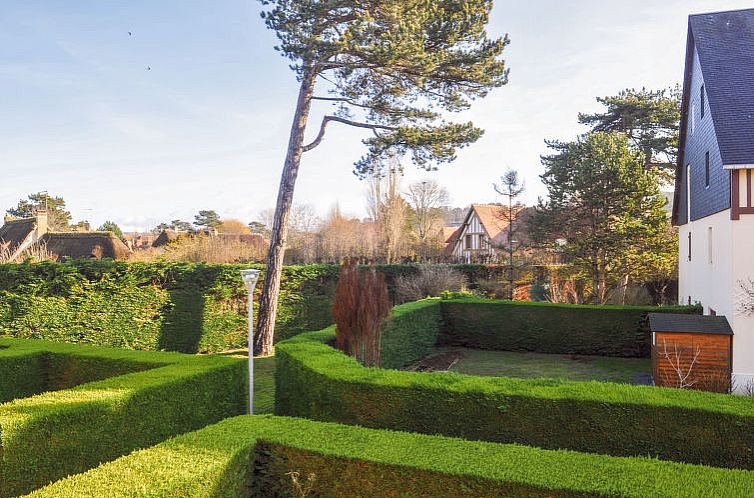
(70, 407)
(255, 456)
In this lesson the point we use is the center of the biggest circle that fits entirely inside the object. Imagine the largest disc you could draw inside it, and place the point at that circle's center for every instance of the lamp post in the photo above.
(250, 279)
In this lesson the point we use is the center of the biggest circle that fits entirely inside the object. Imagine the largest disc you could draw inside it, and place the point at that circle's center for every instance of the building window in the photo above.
(689, 246)
(693, 118)
(701, 102)
(468, 242)
(709, 243)
(688, 193)
(706, 169)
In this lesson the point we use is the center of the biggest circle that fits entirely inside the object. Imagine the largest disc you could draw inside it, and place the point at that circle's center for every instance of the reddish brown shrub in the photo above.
(361, 305)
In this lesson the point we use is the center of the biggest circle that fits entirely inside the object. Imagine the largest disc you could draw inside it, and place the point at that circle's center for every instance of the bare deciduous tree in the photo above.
(427, 199)
(389, 210)
(683, 375)
(745, 304)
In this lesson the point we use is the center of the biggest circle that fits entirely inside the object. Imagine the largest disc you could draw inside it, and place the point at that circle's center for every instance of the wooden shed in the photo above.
(691, 351)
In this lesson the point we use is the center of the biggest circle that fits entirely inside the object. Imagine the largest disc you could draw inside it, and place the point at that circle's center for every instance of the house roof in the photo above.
(14, 232)
(489, 216)
(85, 245)
(695, 324)
(166, 237)
(450, 241)
(725, 44)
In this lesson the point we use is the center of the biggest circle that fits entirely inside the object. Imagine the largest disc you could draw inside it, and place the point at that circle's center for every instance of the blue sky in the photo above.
(206, 126)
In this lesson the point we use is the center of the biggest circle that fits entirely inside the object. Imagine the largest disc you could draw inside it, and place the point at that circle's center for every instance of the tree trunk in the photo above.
(268, 303)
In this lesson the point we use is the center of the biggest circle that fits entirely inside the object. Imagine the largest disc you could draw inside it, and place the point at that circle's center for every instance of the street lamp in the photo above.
(250, 278)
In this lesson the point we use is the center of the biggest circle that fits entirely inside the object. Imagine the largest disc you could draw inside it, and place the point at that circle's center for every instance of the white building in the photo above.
(713, 206)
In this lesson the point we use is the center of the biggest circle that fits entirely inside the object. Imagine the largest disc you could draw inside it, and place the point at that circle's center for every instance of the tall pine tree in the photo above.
(393, 67)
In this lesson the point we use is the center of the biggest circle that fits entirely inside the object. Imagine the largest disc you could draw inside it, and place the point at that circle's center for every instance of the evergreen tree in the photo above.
(604, 204)
(650, 119)
(393, 67)
(207, 219)
(111, 226)
(58, 218)
(511, 187)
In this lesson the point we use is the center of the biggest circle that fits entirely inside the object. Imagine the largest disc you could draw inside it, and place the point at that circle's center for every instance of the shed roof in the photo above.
(694, 324)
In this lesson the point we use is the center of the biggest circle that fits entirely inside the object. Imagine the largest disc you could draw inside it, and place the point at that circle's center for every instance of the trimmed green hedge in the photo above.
(358, 462)
(316, 381)
(186, 307)
(551, 328)
(57, 433)
(410, 333)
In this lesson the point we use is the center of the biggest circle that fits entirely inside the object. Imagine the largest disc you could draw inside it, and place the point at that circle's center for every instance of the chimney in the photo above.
(42, 225)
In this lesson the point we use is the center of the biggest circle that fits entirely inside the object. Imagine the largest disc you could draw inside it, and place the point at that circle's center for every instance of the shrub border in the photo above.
(318, 382)
(48, 436)
(215, 461)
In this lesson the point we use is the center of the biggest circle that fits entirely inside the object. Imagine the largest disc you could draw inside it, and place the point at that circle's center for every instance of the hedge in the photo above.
(316, 381)
(57, 433)
(186, 307)
(551, 328)
(252, 456)
(410, 333)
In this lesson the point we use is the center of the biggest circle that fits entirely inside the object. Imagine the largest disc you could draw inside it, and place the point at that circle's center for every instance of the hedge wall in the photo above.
(410, 333)
(358, 462)
(316, 381)
(51, 435)
(186, 307)
(551, 328)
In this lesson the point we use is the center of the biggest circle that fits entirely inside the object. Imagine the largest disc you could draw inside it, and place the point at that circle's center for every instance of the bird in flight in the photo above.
(129, 34)
(149, 68)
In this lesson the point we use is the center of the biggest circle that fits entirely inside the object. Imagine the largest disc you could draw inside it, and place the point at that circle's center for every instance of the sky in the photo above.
(192, 109)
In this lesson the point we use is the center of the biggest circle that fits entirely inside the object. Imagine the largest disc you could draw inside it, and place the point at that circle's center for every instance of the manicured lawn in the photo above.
(570, 367)
(264, 385)
(264, 381)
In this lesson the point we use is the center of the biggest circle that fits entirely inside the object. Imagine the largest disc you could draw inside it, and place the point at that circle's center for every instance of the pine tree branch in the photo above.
(327, 119)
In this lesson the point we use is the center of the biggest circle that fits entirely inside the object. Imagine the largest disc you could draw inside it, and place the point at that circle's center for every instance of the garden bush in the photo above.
(551, 328)
(185, 307)
(410, 333)
(318, 382)
(56, 433)
(255, 456)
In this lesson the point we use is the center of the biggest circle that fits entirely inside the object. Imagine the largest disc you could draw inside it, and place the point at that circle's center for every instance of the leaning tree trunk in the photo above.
(268, 303)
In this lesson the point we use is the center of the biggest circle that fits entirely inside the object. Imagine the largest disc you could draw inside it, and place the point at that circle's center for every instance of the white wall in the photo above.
(743, 326)
(715, 284)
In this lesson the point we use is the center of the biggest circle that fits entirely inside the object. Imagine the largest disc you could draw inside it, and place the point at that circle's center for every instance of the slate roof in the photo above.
(14, 232)
(725, 44)
(700, 324)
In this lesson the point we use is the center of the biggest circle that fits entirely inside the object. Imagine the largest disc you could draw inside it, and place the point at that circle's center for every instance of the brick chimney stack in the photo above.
(42, 224)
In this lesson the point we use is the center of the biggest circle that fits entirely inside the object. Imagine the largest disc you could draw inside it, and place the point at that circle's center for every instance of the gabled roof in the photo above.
(490, 218)
(166, 237)
(85, 245)
(725, 44)
(14, 232)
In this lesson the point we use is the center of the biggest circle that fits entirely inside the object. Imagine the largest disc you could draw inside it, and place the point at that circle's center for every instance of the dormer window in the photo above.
(701, 102)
